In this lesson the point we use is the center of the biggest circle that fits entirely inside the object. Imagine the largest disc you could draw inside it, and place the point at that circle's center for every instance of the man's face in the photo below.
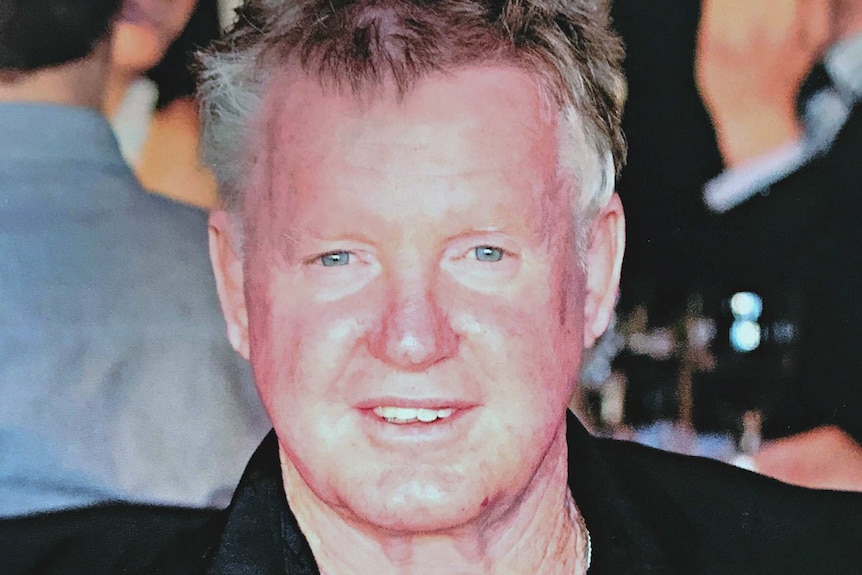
(415, 306)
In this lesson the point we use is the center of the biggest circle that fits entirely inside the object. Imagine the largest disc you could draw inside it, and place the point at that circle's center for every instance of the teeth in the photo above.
(410, 415)
(426, 415)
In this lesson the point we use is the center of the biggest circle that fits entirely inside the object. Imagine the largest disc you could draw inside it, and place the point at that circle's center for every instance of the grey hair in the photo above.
(567, 45)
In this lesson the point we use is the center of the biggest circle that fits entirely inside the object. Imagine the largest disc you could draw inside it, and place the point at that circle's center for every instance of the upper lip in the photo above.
(415, 403)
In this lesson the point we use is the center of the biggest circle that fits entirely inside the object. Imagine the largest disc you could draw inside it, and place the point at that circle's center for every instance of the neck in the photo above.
(543, 532)
(118, 83)
(78, 83)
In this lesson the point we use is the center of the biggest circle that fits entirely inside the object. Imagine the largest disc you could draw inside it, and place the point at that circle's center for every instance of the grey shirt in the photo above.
(116, 378)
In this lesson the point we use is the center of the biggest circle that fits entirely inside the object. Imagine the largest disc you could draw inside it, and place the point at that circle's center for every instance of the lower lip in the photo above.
(439, 431)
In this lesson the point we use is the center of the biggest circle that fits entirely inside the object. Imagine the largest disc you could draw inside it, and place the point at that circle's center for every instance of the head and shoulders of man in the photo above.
(419, 237)
(404, 261)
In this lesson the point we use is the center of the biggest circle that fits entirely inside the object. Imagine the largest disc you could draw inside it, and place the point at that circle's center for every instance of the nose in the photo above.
(414, 332)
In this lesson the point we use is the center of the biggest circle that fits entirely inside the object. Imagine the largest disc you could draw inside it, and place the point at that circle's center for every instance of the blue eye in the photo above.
(488, 254)
(335, 259)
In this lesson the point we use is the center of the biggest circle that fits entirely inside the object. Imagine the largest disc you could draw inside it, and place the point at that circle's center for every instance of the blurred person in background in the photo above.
(782, 81)
(767, 92)
(116, 379)
(673, 153)
(150, 95)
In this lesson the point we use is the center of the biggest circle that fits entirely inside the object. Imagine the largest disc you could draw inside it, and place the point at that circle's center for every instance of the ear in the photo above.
(603, 261)
(228, 269)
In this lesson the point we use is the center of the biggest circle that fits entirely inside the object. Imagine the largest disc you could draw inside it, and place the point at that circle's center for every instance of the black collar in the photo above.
(261, 535)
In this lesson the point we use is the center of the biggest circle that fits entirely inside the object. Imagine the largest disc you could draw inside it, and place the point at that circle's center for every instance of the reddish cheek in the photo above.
(301, 330)
(514, 329)
(537, 328)
(273, 341)
(272, 353)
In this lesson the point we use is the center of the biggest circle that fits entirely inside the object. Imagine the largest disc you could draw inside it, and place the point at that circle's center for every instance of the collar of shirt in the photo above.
(261, 534)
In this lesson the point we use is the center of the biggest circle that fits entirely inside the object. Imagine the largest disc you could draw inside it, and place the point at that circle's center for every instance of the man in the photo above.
(418, 238)
(111, 343)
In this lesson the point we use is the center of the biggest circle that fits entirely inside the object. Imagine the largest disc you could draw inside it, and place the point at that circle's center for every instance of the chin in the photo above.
(423, 519)
(422, 508)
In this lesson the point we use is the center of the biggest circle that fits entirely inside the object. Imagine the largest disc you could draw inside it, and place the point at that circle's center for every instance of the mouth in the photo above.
(397, 422)
(406, 415)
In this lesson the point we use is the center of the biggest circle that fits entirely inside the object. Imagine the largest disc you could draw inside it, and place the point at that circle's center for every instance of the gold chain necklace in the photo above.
(586, 532)
(588, 547)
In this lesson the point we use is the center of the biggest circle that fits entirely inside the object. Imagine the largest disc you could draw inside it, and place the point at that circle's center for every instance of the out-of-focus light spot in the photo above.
(746, 305)
(745, 335)
(784, 332)
(700, 331)
(658, 343)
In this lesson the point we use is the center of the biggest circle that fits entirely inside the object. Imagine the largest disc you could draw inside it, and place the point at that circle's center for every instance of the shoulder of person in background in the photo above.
(116, 538)
(826, 457)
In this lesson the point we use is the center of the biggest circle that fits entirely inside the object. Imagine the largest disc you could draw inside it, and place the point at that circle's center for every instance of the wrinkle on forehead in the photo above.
(359, 131)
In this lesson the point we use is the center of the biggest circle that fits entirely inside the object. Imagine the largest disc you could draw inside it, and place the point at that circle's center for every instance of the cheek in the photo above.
(527, 370)
(273, 341)
(300, 345)
(528, 338)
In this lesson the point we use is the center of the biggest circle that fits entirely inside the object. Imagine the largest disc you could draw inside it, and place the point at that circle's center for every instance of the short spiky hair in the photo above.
(358, 45)
(37, 34)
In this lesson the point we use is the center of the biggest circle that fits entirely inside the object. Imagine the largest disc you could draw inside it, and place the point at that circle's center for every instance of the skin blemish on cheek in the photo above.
(485, 503)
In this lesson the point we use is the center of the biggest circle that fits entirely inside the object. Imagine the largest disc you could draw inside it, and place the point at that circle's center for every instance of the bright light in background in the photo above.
(746, 305)
(745, 333)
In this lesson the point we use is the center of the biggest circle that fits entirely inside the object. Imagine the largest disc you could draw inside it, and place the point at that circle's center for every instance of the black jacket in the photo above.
(647, 511)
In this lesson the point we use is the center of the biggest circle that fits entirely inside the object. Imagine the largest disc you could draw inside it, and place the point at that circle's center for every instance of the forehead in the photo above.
(482, 128)
(497, 94)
